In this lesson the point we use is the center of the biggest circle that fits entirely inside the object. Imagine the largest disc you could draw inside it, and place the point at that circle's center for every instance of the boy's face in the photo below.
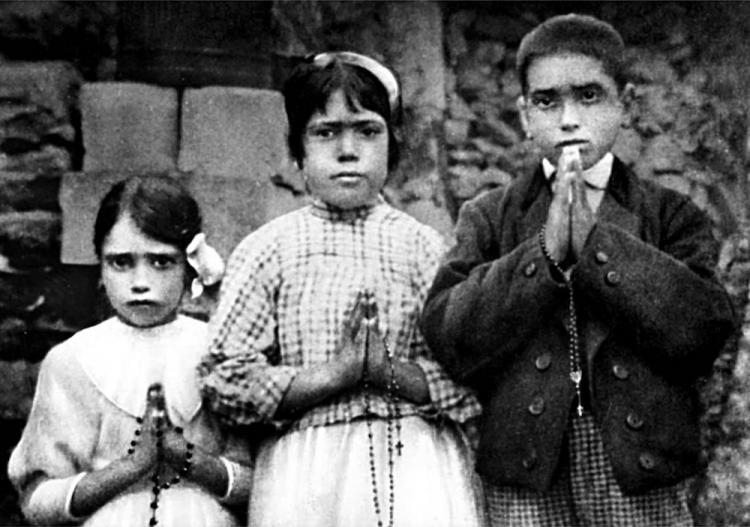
(346, 154)
(144, 278)
(572, 101)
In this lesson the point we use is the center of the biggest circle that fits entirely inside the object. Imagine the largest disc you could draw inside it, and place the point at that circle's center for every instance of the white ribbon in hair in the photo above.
(207, 263)
(383, 74)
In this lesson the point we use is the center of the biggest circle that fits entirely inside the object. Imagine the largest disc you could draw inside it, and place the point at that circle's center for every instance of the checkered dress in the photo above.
(586, 493)
(289, 288)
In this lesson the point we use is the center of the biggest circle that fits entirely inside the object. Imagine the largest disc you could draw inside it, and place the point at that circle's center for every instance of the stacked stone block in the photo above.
(234, 141)
(226, 144)
(129, 126)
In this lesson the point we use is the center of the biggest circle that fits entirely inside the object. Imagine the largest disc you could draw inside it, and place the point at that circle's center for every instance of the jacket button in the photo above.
(646, 461)
(612, 278)
(634, 421)
(602, 257)
(529, 462)
(529, 270)
(620, 371)
(537, 406)
(543, 361)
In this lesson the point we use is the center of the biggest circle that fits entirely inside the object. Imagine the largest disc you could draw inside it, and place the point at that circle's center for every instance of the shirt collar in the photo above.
(135, 358)
(597, 176)
(329, 212)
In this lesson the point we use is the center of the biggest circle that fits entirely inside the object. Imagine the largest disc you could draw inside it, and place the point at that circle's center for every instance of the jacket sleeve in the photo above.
(240, 377)
(666, 300)
(483, 306)
(51, 457)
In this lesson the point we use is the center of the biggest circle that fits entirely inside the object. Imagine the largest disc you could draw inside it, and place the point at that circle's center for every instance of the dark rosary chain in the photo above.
(574, 354)
(160, 486)
(392, 423)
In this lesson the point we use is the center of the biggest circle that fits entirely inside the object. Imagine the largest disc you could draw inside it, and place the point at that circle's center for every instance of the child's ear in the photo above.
(521, 105)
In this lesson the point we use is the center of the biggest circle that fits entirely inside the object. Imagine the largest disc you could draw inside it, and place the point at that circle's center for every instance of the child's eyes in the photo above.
(125, 262)
(584, 95)
(163, 262)
(543, 102)
(120, 262)
(367, 131)
(590, 95)
(322, 133)
(370, 131)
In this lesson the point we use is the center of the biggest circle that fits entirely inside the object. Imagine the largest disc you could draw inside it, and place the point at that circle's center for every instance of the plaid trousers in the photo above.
(586, 494)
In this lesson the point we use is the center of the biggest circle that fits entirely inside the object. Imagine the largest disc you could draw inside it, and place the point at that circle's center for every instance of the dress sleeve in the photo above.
(54, 451)
(241, 377)
(447, 398)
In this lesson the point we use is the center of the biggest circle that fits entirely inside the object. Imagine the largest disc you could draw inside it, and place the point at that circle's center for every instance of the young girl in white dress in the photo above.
(316, 331)
(117, 435)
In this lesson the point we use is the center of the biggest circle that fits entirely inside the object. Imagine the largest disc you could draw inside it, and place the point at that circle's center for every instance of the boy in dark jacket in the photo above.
(582, 305)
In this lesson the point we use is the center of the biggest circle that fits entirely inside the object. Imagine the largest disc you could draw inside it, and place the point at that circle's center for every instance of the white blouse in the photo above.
(90, 390)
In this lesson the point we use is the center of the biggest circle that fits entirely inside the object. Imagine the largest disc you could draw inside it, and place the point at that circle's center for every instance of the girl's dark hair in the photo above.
(309, 87)
(159, 205)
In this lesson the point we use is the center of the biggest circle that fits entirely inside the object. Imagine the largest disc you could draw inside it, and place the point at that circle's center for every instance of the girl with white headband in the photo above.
(117, 434)
(316, 336)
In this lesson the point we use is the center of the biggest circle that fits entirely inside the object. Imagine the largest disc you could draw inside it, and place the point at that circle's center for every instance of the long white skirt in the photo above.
(320, 477)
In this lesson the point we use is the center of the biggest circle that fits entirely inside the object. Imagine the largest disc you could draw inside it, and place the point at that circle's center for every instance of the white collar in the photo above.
(597, 176)
(123, 361)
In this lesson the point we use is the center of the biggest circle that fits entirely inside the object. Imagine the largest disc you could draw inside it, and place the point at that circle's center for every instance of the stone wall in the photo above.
(37, 146)
(461, 135)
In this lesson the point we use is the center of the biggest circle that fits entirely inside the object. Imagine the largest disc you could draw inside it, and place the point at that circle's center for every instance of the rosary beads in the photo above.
(393, 422)
(158, 484)
(574, 355)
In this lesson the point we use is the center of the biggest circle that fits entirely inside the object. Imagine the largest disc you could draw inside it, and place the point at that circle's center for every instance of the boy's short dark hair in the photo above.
(160, 206)
(309, 87)
(574, 33)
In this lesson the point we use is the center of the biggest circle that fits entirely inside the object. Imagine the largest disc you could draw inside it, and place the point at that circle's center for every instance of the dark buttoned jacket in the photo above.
(651, 318)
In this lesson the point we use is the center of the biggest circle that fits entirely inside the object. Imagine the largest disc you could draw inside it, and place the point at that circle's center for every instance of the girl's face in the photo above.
(144, 278)
(346, 154)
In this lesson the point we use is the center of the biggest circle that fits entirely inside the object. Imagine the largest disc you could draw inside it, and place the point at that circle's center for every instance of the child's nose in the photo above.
(141, 279)
(347, 146)
(570, 117)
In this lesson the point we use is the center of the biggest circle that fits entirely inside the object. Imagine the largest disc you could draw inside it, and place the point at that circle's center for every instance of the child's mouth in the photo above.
(571, 142)
(141, 303)
(348, 177)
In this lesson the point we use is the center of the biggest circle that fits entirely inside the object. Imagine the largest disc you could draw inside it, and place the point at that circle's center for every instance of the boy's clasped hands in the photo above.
(570, 218)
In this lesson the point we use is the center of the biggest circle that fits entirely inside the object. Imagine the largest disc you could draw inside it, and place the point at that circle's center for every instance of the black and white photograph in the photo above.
(375, 263)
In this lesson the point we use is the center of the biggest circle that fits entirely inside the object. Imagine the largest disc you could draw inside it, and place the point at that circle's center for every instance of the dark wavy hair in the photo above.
(160, 206)
(309, 87)
(574, 33)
